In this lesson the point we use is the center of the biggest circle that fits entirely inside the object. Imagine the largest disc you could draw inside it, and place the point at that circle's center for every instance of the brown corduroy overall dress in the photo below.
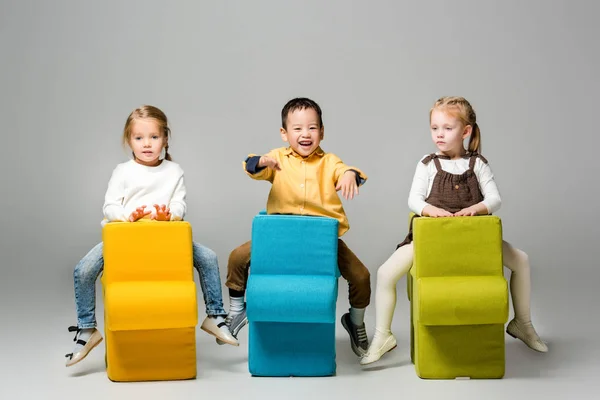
(451, 192)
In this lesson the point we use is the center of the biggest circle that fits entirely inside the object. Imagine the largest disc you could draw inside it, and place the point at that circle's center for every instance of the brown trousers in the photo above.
(351, 268)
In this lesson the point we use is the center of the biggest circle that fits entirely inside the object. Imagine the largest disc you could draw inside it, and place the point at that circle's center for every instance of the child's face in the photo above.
(146, 141)
(304, 132)
(448, 133)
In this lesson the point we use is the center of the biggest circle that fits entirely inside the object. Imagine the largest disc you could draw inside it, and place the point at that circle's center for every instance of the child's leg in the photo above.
(237, 269)
(84, 278)
(357, 275)
(388, 276)
(359, 287)
(237, 278)
(520, 287)
(207, 265)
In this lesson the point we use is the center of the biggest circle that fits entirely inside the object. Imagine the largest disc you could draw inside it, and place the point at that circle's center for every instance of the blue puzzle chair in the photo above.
(291, 296)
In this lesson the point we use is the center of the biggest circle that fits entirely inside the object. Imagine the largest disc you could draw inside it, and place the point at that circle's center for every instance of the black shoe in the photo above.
(358, 335)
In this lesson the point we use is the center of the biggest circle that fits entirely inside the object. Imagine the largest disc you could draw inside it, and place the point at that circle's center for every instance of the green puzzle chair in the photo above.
(459, 298)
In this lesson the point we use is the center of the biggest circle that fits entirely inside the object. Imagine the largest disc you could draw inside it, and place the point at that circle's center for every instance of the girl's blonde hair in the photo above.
(460, 108)
(148, 112)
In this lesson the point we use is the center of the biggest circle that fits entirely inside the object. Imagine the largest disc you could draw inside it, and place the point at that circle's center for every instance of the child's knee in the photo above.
(523, 256)
(515, 259)
(211, 257)
(387, 277)
(239, 257)
(85, 272)
(363, 278)
(383, 275)
(240, 253)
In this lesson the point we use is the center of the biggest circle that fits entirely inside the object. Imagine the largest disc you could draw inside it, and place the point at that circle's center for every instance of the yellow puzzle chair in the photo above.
(459, 298)
(150, 301)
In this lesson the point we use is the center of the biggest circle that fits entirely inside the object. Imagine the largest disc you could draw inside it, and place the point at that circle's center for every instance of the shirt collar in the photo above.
(289, 151)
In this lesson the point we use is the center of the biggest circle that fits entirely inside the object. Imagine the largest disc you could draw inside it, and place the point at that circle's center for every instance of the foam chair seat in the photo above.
(150, 305)
(295, 299)
(150, 311)
(291, 296)
(462, 300)
(459, 298)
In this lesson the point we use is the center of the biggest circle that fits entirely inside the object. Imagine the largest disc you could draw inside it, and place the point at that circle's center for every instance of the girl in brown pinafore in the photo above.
(452, 182)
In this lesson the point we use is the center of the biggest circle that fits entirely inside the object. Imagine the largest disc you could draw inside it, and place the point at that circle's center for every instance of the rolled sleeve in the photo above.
(251, 168)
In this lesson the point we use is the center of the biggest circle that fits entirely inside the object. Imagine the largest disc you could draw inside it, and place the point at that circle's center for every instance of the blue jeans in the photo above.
(88, 269)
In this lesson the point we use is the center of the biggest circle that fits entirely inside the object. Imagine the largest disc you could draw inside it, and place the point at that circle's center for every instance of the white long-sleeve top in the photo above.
(423, 181)
(134, 185)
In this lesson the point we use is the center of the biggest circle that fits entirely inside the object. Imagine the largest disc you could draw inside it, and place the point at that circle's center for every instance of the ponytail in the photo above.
(167, 135)
(475, 140)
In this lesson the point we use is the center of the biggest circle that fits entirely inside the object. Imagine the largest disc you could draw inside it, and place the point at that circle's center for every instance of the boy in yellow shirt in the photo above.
(305, 181)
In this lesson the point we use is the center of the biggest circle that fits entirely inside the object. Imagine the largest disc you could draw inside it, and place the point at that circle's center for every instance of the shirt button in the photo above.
(456, 187)
(302, 162)
(301, 208)
(302, 185)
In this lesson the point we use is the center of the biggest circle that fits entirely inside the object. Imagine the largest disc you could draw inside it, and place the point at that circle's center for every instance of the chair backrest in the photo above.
(294, 245)
(147, 251)
(457, 246)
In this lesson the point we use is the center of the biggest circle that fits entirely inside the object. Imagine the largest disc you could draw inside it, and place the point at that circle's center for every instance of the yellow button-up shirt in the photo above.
(306, 185)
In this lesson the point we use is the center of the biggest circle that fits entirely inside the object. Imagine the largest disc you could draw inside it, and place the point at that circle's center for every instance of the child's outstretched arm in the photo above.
(346, 178)
(262, 167)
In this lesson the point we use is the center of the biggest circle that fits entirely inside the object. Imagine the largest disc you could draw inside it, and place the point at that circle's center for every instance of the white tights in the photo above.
(400, 263)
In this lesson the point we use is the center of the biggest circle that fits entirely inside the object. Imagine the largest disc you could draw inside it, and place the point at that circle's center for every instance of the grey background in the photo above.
(72, 71)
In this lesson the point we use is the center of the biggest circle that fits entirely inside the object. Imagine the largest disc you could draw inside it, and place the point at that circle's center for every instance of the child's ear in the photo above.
(283, 133)
(467, 131)
(322, 132)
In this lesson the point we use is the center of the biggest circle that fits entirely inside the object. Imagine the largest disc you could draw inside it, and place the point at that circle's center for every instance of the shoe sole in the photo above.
(218, 338)
(357, 350)
(93, 345)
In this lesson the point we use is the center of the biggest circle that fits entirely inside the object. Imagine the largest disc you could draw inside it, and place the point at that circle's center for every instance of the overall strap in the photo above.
(473, 157)
(435, 159)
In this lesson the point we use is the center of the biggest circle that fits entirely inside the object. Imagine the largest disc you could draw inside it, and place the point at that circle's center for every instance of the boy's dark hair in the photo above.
(300, 103)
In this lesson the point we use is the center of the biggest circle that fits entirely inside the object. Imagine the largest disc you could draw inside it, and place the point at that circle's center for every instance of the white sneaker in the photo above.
(235, 322)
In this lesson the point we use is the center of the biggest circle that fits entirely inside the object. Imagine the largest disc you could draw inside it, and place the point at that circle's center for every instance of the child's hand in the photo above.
(466, 212)
(348, 185)
(138, 213)
(269, 162)
(435, 212)
(163, 213)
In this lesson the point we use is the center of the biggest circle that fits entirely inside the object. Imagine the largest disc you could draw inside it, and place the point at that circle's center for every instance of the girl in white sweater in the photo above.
(146, 187)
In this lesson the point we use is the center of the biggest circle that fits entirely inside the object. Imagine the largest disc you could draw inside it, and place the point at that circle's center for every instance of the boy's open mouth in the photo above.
(305, 143)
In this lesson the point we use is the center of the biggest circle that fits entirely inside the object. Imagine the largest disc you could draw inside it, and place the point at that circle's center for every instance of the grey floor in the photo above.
(564, 313)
